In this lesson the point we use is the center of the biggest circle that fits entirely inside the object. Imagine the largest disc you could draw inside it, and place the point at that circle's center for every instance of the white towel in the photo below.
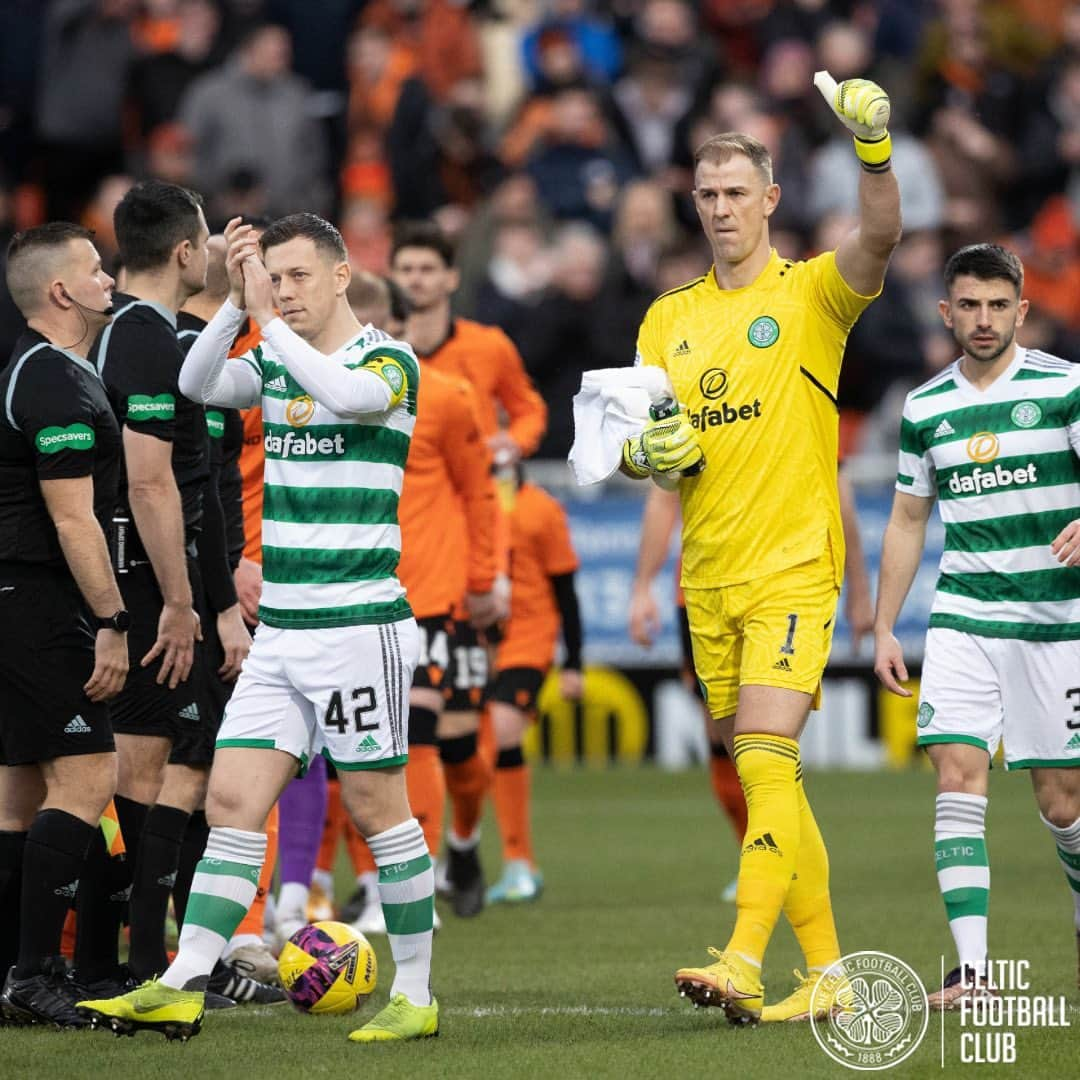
(611, 407)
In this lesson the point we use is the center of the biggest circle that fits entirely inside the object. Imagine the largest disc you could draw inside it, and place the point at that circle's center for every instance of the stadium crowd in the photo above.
(552, 139)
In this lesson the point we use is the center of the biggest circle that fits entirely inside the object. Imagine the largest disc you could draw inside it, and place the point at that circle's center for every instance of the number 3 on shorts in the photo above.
(363, 696)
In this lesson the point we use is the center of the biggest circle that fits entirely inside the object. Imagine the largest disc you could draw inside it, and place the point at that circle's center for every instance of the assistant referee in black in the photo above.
(63, 640)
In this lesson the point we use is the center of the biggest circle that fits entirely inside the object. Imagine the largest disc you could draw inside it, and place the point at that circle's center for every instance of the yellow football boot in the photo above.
(177, 1014)
(400, 1020)
(834, 997)
(731, 984)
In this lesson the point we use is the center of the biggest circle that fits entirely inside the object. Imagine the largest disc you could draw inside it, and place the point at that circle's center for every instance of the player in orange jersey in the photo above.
(422, 264)
(542, 596)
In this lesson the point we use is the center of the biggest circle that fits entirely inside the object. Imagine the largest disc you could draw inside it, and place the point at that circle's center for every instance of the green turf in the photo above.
(580, 984)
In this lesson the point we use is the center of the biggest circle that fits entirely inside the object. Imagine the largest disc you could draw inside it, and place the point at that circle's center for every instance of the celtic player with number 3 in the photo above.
(995, 437)
(753, 351)
(333, 660)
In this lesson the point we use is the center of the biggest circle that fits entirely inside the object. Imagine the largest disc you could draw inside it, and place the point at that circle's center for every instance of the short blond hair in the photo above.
(721, 148)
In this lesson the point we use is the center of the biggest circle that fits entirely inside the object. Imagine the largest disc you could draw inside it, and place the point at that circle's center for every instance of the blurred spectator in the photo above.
(159, 80)
(440, 154)
(649, 101)
(253, 115)
(970, 108)
(1050, 149)
(22, 27)
(579, 167)
(378, 67)
(517, 275)
(438, 33)
(569, 332)
(11, 321)
(1050, 250)
(99, 215)
(169, 155)
(366, 229)
(569, 37)
(242, 194)
(85, 63)
(686, 259)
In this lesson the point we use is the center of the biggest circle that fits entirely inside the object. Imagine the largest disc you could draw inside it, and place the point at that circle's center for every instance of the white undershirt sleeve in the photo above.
(208, 376)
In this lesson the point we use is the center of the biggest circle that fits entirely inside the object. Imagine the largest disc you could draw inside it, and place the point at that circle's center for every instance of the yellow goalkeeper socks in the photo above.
(767, 767)
(808, 906)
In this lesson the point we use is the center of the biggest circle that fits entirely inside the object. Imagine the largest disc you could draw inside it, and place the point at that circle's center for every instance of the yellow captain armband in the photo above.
(392, 373)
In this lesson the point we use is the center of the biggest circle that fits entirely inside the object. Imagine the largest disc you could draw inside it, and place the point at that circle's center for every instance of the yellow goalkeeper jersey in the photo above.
(757, 369)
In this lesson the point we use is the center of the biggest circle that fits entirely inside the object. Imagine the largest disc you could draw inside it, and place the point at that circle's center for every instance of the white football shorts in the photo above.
(983, 691)
(339, 691)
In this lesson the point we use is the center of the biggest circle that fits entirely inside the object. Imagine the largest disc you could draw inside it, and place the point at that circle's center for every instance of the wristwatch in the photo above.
(120, 621)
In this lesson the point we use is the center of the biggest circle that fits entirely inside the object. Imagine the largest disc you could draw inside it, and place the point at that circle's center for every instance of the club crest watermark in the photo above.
(877, 1011)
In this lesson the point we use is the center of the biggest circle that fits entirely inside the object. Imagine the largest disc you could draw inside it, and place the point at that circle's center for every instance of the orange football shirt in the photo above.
(540, 549)
(490, 362)
(447, 505)
(251, 457)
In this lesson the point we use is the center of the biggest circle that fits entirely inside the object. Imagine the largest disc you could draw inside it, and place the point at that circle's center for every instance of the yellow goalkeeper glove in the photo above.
(668, 445)
(864, 109)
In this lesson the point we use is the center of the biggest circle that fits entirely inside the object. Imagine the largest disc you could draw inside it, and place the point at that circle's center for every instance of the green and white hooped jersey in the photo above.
(1004, 466)
(331, 540)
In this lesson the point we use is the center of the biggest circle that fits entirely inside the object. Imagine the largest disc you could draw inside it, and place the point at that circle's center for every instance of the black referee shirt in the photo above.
(55, 424)
(138, 358)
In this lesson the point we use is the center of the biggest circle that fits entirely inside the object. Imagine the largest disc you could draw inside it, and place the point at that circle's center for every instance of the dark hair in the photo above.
(28, 258)
(423, 234)
(400, 305)
(151, 219)
(314, 228)
(987, 262)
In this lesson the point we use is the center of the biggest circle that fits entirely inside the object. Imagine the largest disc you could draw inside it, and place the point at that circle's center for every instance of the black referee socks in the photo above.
(53, 861)
(155, 875)
(11, 861)
(100, 906)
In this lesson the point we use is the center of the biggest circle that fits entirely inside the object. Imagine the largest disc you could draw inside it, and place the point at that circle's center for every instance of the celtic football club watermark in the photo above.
(876, 1008)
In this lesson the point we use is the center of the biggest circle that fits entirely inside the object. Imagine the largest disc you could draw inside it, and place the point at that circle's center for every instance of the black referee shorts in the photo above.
(46, 657)
(194, 743)
(143, 707)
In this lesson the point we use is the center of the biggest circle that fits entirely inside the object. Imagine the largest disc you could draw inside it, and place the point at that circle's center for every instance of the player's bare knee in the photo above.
(184, 786)
(509, 724)
(22, 791)
(376, 799)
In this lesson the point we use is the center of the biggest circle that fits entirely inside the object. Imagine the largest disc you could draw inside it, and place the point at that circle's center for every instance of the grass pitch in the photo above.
(580, 984)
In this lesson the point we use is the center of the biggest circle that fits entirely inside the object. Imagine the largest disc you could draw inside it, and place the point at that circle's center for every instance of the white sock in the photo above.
(407, 892)
(1067, 839)
(223, 888)
(292, 902)
(240, 941)
(963, 872)
(369, 882)
(325, 880)
(459, 843)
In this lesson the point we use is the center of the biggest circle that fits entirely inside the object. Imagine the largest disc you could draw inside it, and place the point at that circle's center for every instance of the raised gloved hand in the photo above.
(864, 109)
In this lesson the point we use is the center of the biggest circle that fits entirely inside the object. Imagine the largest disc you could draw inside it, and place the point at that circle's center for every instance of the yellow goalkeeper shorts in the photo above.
(773, 631)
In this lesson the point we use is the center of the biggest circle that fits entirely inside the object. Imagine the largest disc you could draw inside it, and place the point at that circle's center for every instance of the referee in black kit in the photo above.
(161, 233)
(63, 647)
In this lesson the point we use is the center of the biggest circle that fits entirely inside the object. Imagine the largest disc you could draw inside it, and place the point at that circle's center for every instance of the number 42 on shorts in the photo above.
(363, 701)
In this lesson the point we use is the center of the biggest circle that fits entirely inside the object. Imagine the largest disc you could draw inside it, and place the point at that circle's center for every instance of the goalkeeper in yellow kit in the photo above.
(753, 351)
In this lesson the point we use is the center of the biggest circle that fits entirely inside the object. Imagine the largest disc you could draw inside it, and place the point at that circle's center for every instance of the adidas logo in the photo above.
(121, 897)
(782, 664)
(278, 384)
(190, 712)
(78, 726)
(367, 744)
(69, 890)
(764, 844)
(943, 429)
(682, 349)
(168, 880)
(1074, 742)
